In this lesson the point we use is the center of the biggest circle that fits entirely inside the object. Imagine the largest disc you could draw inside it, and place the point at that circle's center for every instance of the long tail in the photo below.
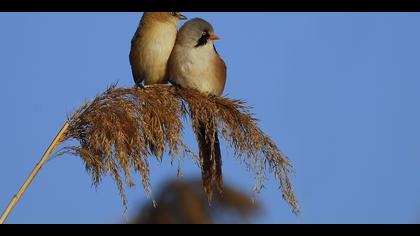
(157, 152)
(211, 162)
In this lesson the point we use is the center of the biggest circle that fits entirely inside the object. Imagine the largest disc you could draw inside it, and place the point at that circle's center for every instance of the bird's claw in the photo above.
(139, 86)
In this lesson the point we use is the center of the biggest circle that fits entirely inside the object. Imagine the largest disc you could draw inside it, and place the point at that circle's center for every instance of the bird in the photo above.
(152, 45)
(195, 63)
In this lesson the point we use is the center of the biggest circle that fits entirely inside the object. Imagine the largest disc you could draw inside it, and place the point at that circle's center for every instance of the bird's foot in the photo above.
(139, 86)
(212, 96)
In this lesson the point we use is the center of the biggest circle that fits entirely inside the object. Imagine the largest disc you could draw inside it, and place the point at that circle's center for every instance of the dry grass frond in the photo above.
(239, 127)
(121, 128)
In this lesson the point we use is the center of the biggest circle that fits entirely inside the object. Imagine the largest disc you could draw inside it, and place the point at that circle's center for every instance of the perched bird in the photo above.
(151, 46)
(195, 63)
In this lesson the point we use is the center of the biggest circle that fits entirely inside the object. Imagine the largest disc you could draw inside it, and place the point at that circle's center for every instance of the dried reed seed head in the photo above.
(122, 127)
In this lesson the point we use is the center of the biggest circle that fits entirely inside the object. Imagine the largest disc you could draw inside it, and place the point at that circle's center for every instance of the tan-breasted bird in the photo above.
(195, 63)
(152, 45)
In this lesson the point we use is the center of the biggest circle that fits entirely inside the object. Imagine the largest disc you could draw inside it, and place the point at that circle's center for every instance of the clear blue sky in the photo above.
(338, 92)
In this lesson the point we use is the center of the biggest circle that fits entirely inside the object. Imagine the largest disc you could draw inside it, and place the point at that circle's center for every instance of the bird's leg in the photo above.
(140, 86)
(212, 97)
(177, 87)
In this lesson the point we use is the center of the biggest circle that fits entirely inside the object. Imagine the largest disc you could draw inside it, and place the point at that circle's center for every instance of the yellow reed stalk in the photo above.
(57, 141)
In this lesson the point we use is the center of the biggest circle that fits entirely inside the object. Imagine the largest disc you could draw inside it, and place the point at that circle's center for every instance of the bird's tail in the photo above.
(156, 151)
(210, 161)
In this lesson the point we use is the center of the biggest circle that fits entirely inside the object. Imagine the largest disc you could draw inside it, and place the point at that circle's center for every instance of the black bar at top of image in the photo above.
(209, 5)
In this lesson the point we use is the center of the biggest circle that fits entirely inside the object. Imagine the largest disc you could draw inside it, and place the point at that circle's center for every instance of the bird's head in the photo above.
(197, 33)
(169, 17)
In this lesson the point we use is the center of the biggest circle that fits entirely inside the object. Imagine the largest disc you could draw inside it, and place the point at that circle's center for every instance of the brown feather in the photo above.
(218, 163)
(210, 161)
(206, 162)
(219, 75)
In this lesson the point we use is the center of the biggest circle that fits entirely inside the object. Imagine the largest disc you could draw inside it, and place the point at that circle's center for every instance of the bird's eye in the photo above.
(173, 13)
(204, 33)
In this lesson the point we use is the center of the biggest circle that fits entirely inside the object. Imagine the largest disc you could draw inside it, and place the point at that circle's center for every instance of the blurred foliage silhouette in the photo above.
(185, 202)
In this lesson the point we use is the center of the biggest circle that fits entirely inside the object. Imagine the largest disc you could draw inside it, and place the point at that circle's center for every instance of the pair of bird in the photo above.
(187, 58)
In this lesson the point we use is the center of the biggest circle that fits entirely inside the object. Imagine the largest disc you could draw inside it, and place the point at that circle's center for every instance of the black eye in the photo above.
(173, 13)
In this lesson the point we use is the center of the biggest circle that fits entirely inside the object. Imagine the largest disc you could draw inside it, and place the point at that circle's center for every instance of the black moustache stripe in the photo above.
(203, 40)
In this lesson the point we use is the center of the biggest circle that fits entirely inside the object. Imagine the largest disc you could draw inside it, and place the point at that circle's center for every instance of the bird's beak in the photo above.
(182, 17)
(214, 37)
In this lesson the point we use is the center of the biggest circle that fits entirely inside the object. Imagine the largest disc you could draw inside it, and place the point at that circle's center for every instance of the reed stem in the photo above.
(57, 141)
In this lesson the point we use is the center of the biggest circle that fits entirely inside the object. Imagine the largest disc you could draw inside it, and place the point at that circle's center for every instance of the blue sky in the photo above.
(338, 92)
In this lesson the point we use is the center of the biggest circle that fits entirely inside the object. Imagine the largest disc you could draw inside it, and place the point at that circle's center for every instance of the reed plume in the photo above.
(120, 129)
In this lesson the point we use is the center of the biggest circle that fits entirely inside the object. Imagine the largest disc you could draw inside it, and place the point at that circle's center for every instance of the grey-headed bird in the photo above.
(195, 63)
(152, 45)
